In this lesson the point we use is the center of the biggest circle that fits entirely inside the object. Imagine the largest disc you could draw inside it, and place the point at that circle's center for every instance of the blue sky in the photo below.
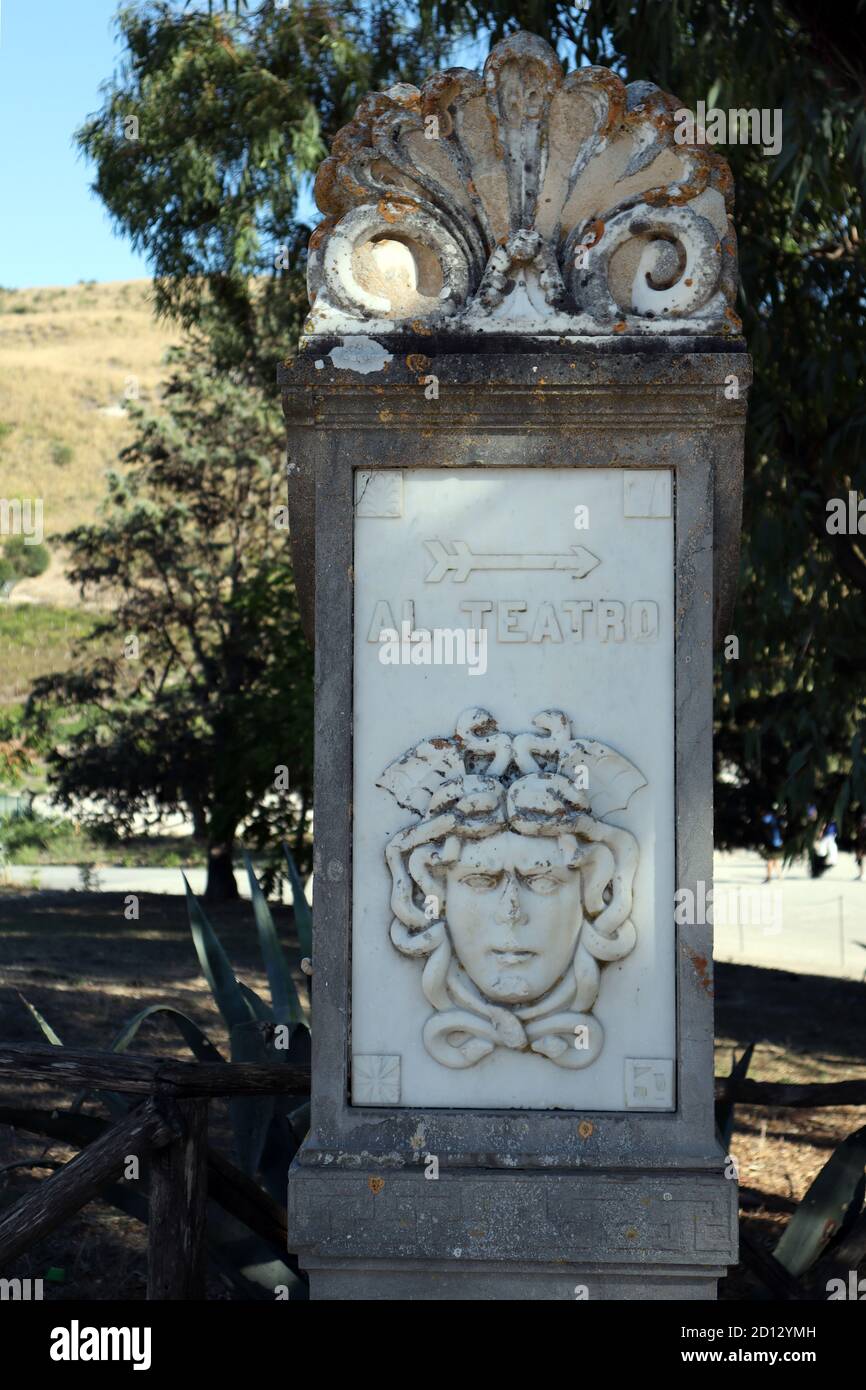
(53, 56)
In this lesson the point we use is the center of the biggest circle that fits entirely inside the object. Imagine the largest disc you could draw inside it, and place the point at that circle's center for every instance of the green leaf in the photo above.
(45, 1026)
(725, 1108)
(281, 1145)
(251, 1115)
(284, 996)
(196, 1040)
(215, 965)
(115, 1103)
(300, 906)
(299, 1119)
(260, 1009)
(834, 1198)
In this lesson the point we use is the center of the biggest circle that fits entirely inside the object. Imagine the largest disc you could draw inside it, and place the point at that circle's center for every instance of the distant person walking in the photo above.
(825, 851)
(772, 844)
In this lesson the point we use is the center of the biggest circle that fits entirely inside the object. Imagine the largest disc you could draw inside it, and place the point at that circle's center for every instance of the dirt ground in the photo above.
(87, 969)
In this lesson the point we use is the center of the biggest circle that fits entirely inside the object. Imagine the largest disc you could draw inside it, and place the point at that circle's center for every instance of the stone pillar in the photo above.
(515, 444)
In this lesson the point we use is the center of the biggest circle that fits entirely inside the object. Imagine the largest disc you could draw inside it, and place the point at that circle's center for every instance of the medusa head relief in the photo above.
(511, 886)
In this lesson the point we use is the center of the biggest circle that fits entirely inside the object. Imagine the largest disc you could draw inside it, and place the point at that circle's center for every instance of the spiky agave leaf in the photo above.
(195, 1038)
(251, 1115)
(831, 1203)
(725, 1108)
(303, 912)
(215, 965)
(43, 1023)
(284, 997)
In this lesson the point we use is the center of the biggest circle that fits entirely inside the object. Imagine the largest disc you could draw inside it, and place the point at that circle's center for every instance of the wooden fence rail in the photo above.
(150, 1075)
(169, 1127)
(809, 1095)
(147, 1075)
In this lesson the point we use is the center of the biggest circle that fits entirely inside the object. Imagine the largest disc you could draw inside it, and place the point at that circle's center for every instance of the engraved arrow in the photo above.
(461, 562)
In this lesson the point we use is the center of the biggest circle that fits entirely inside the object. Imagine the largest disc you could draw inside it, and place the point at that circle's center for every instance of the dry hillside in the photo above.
(69, 357)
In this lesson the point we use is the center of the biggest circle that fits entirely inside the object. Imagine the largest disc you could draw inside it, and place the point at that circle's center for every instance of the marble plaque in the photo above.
(513, 826)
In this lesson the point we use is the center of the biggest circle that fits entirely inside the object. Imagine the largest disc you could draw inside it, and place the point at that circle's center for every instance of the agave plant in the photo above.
(266, 1136)
(826, 1235)
(267, 1129)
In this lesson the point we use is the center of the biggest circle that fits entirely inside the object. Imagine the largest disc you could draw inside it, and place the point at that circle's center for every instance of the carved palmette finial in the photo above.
(522, 200)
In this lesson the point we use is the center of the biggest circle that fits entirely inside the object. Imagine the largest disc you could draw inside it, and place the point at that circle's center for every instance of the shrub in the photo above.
(27, 561)
(61, 453)
(30, 831)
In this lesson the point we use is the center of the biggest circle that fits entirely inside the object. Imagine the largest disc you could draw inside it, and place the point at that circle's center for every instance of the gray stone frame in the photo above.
(631, 411)
(570, 407)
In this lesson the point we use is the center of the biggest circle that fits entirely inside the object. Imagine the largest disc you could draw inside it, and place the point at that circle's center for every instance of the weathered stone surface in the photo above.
(592, 402)
(532, 1218)
(522, 201)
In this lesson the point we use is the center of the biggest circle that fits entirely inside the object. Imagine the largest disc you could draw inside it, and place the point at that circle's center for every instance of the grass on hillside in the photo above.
(36, 639)
(69, 359)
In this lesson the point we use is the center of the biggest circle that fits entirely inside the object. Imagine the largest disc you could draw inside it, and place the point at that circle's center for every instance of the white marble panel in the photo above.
(514, 736)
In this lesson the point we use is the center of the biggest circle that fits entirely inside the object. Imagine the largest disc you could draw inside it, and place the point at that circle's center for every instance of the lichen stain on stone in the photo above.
(391, 211)
(584, 1129)
(375, 1185)
(702, 969)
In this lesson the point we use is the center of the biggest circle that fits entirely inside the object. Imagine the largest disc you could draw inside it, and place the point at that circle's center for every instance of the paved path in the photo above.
(68, 878)
(814, 926)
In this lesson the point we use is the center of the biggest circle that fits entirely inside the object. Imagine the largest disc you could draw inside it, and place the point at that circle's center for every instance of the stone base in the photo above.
(422, 1281)
(475, 1235)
